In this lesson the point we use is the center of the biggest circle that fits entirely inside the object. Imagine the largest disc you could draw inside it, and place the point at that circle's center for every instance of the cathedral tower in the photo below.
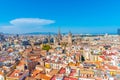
(70, 38)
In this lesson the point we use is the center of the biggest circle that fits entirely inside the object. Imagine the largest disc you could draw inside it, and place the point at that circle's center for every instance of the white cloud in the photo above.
(31, 21)
(23, 25)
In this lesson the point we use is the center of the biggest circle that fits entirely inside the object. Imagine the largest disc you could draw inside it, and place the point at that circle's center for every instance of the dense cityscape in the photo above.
(59, 57)
(59, 39)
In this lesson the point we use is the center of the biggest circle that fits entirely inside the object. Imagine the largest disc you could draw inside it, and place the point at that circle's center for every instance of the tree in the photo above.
(82, 58)
(46, 47)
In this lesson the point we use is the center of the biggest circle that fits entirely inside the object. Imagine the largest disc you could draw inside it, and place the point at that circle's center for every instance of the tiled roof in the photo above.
(69, 78)
(35, 72)
(62, 71)
(43, 76)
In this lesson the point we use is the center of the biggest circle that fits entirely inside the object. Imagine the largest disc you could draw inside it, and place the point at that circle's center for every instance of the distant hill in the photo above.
(53, 33)
(41, 33)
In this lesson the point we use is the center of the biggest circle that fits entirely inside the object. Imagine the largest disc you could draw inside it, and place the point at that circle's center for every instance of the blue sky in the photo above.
(79, 16)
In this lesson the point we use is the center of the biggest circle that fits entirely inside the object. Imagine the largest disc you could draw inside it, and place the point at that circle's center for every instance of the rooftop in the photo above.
(17, 73)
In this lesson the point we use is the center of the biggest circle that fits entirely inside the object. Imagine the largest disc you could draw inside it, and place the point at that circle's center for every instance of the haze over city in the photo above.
(78, 16)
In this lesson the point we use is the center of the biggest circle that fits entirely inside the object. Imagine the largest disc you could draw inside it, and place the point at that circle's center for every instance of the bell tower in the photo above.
(69, 38)
(59, 34)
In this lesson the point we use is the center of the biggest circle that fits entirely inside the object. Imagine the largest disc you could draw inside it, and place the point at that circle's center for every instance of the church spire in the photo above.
(70, 38)
(49, 37)
(70, 34)
(59, 34)
(59, 31)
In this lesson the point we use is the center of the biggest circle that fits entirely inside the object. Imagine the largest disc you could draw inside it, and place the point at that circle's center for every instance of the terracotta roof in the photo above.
(35, 72)
(62, 71)
(53, 72)
(98, 79)
(21, 63)
(1, 73)
(112, 67)
(69, 78)
(103, 57)
(43, 76)
(53, 78)
(17, 73)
